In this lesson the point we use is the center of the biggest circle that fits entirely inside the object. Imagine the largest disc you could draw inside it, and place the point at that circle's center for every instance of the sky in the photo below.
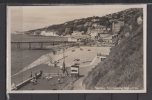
(24, 18)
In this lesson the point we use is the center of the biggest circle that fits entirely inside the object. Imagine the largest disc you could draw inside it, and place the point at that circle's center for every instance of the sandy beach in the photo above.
(86, 55)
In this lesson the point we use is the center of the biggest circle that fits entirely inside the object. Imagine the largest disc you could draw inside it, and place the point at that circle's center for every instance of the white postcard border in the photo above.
(8, 60)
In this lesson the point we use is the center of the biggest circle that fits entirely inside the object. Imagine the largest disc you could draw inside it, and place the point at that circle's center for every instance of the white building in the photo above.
(36, 33)
(48, 33)
(87, 24)
(94, 20)
(109, 39)
(71, 39)
(75, 70)
(99, 29)
(93, 35)
(77, 33)
(116, 26)
(139, 20)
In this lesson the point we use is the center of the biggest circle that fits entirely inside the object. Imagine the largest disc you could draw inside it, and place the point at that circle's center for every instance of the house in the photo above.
(48, 33)
(116, 26)
(67, 31)
(81, 37)
(71, 39)
(76, 20)
(65, 23)
(102, 58)
(108, 29)
(95, 25)
(95, 32)
(75, 70)
(94, 35)
(107, 40)
(77, 33)
(110, 39)
(94, 20)
(87, 24)
(139, 20)
(37, 33)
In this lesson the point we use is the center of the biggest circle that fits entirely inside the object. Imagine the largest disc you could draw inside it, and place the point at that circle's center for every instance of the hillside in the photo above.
(83, 24)
(124, 66)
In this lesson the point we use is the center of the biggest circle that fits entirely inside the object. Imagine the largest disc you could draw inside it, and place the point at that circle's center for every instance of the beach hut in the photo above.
(75, 70)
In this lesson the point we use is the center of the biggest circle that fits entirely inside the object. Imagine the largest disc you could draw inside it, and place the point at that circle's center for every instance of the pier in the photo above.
(40, 44)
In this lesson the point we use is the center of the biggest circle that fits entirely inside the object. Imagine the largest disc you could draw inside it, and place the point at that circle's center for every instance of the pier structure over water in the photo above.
(31, 42)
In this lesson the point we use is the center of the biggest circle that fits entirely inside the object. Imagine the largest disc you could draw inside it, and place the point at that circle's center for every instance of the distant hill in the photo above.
(124, 66)
(83, 24)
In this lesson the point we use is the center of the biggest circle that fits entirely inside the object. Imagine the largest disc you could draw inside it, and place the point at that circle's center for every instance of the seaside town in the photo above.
(80, 54)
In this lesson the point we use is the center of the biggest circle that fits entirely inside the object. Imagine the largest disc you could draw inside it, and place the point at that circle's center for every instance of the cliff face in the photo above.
(85, 23)
(124, 66)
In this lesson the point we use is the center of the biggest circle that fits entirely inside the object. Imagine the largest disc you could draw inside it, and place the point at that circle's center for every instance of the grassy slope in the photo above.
(123, 67)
